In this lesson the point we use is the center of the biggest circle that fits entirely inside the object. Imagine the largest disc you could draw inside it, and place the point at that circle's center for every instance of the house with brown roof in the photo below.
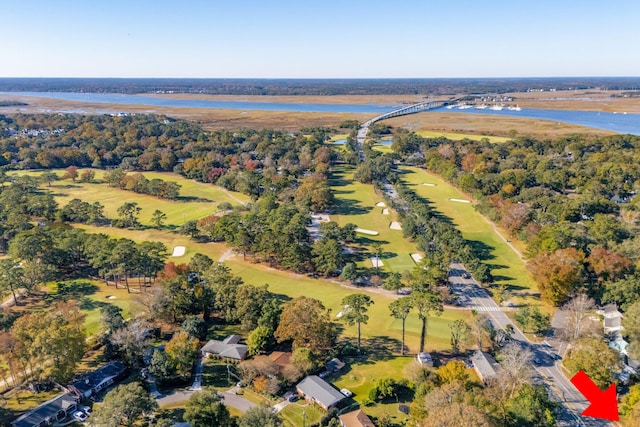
(279, 358)
(355, 419)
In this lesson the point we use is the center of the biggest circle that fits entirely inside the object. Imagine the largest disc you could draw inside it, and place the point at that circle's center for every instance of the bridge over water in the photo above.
(410, 109)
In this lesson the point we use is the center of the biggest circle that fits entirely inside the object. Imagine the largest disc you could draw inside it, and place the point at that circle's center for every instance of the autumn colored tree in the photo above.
(71, 173)
(453, 371)
(182, 351)
(609, 265)
(558, 274)
(306, 321)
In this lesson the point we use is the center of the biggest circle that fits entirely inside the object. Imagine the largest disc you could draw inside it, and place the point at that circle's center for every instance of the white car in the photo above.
(346, 392)
(80, 416)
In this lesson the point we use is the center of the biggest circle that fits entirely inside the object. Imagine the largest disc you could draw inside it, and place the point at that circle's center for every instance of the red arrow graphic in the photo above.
(604, 404)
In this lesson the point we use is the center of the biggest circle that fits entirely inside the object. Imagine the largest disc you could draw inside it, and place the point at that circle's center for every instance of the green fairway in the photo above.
(196, 199)
(383, 330)
(508, 268)
(91, 295)
(356, 203)
(460, 136)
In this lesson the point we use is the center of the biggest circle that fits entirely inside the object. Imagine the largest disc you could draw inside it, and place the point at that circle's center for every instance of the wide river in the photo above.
(616, 122)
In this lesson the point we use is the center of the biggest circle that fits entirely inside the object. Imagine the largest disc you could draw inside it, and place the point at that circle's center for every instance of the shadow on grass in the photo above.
(349, 207)
(193, 199)
(215, 374)
(482, 251)
(76, 289)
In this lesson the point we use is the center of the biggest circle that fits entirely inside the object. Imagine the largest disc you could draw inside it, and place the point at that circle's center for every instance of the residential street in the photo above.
(548, 371)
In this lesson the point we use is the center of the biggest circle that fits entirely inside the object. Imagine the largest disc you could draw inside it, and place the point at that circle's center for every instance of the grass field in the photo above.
(196, 199)
(508, 267)
(356, 203)
(91, 296)
(459, 136)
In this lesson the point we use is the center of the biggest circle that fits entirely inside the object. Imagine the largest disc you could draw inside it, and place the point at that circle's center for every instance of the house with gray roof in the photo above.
(95, 381)
(316, 390)
(229, 348)
(50, 413)
(484, 365)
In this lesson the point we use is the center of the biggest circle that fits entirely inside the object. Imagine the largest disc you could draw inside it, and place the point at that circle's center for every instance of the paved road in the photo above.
(548, 371)
(230, 398)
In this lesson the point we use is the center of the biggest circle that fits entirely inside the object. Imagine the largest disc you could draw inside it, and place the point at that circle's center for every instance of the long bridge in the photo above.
(410, 109)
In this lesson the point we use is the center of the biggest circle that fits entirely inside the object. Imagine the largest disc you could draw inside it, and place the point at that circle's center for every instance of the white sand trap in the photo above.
(385, 211)
(376, 262)
(395, 225)
(417, 257)
(459, 200)
(369, 232)
(380, 204)
(178, 251)
(428, 184)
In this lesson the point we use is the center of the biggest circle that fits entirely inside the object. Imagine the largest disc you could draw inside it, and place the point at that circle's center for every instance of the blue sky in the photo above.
(319, 39)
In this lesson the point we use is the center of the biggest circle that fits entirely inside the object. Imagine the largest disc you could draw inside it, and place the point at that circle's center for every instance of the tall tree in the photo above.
(558, 274)
(460, 331)
(10, 277)
(577, 310)
(306, 322)
(400, 309)
(125, 406)
(259, 416)
(205, 409)
(376, 251)
(426, 303)
(182, 351)
(355, 307)
(128, 213)
(158, 217)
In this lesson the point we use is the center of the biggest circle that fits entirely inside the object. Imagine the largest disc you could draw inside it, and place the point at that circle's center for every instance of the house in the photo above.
(280, 358)
(612, 318)
(334, 365)
(93, 382)
(52, 412)
(315, 389)
(425, 359)
(484, 365)
(229, 348)
(355, 419)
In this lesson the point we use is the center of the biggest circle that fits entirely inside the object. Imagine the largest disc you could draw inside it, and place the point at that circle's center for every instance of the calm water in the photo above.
(622, 123)
(108, 98)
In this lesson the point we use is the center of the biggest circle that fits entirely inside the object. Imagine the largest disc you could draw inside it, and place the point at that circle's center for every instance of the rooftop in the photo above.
(484, 364)
(356, 419)
(94, 378)
(47, 410)
(228, 347)
(315, 387)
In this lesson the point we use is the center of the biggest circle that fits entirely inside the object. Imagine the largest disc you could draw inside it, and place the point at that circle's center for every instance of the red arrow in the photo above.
(604, 404)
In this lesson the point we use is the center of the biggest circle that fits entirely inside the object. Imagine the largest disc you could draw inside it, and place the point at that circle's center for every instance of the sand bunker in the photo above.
(368, 232)
(376, 262)
(178, 250)
(395, 225)
(417, 257)
(380, 204)
(459, 200)
(385, 211)
(428, 184)
(110, 297)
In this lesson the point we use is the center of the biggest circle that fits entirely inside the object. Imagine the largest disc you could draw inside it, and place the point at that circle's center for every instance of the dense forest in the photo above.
(313, 86)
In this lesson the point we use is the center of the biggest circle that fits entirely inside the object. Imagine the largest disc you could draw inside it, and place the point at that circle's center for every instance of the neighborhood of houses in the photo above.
(313, 389)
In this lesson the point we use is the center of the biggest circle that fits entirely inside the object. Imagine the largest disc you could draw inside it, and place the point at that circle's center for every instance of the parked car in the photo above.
(346, 392)
(87, 410)
(291, 396)
(537, 360)
(80, 416)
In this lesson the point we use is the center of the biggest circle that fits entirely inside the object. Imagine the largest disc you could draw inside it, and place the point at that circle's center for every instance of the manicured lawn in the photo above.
(299, 414)
(24, 400)
(508, 267)
(356, 203)
(91, 296)
(196, 199)
(459, 136)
